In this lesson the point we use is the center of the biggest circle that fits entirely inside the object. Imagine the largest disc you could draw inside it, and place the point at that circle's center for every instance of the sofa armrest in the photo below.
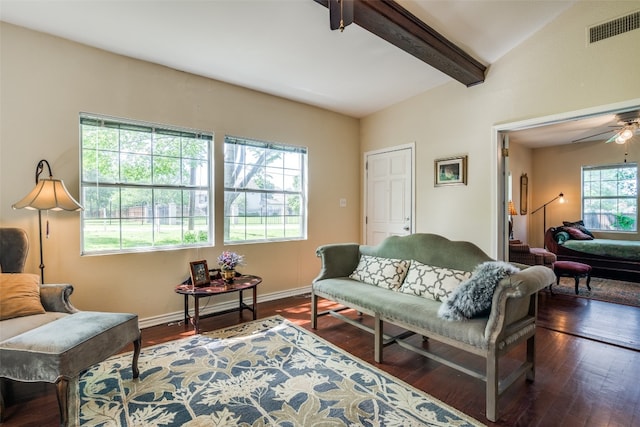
(55, 297)
(338, 260)
(511, 300)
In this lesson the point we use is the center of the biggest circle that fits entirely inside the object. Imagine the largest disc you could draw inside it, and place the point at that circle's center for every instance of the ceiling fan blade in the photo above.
(340, 10)
(591, 136)
(613, 138)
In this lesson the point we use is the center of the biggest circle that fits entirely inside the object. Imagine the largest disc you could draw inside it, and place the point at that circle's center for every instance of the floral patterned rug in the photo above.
(265, 372)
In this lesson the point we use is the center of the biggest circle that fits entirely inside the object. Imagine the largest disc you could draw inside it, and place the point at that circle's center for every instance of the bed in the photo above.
(612, 259)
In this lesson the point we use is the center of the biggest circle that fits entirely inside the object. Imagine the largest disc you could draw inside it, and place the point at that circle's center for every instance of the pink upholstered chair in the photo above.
(521, 253)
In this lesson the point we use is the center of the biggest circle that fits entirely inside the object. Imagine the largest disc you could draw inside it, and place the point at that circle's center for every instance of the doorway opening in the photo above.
(540, 131)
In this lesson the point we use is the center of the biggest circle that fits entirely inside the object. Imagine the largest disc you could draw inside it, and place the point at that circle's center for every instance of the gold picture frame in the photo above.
(200, 273)
(450, 171)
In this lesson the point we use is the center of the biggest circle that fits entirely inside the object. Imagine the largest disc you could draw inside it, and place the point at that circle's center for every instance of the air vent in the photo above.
(614, 27)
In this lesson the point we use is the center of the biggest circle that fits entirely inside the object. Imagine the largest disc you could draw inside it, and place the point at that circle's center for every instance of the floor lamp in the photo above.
(48, 194)
(544, 215)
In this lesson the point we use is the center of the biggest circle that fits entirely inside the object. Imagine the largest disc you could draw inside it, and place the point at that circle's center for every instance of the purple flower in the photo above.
(229, 260)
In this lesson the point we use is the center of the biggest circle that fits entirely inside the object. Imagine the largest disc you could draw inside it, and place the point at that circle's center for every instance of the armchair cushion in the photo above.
(19, 295)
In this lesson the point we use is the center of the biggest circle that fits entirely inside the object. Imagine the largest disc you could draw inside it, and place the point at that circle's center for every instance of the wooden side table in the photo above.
(219, 287)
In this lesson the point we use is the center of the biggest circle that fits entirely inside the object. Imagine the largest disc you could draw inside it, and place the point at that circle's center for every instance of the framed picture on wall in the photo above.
(200, 273)
(451, 171)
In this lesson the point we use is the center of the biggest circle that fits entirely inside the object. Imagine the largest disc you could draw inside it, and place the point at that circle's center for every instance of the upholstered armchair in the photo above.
(44, 338)
(521, 253)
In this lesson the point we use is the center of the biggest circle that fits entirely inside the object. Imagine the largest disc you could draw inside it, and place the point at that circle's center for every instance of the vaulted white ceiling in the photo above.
(285, 47)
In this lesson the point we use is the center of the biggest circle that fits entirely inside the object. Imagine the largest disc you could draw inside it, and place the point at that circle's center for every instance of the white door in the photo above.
(389, 194)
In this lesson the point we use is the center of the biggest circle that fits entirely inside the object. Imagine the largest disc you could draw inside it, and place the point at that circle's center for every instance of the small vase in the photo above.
(228, 275)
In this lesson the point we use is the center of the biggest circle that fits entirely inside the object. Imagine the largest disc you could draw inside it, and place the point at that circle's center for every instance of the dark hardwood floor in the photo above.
(581, 379)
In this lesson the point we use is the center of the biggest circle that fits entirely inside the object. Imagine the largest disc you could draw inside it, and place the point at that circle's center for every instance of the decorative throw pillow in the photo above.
(474, 296)
(432, 282)
(579, 225)
(576, 234)
(19, 295)
(562, 236)
(384, 272)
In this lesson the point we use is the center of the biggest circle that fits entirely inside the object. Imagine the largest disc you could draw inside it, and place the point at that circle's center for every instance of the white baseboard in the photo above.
(178, 316)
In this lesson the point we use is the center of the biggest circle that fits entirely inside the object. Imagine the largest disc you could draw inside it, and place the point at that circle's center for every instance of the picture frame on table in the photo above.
(200, 273)
(450, 171)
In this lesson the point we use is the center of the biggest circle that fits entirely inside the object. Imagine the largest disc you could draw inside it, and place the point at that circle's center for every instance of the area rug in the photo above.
(601, 289)
(265, 372)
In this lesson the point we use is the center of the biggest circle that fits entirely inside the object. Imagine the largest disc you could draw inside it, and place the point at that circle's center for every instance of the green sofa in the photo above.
(511, 321)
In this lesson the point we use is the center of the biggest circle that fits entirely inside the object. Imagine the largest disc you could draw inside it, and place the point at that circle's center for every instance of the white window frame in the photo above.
(277, 219)
(163, 225)
(596, 196)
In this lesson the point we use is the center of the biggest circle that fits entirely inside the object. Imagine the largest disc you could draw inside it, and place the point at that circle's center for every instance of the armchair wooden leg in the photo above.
(314, 311)
(2, 392)
(62, 392)
(137, 345)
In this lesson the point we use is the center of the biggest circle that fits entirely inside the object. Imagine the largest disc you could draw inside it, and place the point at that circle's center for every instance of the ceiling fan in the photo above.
(628, 126)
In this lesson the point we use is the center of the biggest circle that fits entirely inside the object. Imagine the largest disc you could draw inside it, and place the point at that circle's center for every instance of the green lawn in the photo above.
(105, 235)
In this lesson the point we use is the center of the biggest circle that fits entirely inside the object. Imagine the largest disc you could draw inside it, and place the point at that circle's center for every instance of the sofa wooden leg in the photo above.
(531, 358)
(492, 387)
(378, 338)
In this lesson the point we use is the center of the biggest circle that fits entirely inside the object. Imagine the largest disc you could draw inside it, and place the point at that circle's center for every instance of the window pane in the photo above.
(164, 170)
(610, 197)
(166, 145)
(195, 173)
(264, 191)
(143, 186)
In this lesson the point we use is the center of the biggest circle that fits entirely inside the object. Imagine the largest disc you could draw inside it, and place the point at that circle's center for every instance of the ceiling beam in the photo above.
(393, 23)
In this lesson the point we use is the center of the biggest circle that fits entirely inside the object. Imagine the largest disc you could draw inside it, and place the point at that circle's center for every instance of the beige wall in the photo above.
(46, 81)
(559, 169)
(552, 72)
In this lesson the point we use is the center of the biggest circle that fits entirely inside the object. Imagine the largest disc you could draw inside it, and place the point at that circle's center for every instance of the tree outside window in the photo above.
(143, 186)
(610, 197)
(265, 191)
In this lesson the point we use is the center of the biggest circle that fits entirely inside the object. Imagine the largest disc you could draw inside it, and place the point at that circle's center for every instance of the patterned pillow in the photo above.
(384, 272)
(432, 282)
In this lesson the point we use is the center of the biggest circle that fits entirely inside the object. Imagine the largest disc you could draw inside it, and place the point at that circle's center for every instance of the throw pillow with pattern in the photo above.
(432, 282)
(384, 272)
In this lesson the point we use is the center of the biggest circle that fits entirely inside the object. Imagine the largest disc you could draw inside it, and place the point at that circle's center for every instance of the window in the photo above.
(610, 197)
(264, 191)
(143, 187)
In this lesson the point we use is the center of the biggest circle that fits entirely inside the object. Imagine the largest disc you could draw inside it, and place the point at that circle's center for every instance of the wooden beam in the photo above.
(393, 23)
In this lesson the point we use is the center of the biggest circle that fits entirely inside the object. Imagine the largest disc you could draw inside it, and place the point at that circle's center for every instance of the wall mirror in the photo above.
(524, 187)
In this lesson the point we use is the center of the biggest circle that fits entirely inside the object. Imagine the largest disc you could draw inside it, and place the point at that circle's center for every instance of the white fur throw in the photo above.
(474, 296)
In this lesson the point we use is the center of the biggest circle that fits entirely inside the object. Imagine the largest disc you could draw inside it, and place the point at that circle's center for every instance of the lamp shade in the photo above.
(49, 194)
(512, 209)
